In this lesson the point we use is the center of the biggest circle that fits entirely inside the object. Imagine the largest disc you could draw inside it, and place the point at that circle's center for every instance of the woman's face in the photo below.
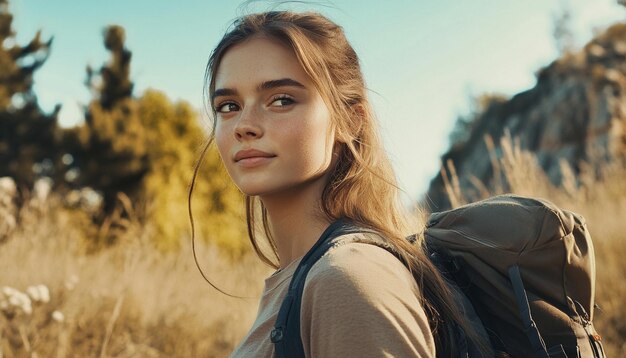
(273, 129)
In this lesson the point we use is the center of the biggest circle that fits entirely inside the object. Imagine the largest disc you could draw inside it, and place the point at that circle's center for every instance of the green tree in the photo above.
(112, 85)
(29, 138)
(146, 148)
(109, 149)
(174, 137)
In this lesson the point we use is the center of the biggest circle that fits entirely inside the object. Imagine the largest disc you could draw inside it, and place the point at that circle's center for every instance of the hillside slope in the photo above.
(576, 112)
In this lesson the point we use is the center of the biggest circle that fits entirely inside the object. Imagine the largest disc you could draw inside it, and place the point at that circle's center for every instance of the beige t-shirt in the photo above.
(359, 301)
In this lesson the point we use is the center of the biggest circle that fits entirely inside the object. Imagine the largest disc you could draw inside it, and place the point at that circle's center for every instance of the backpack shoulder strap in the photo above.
(530, 328)
(286, 332)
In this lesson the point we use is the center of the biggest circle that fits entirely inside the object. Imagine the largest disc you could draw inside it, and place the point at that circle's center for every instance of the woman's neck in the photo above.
(296, 220)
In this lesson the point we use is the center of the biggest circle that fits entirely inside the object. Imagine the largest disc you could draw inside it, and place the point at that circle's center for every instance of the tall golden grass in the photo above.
(132, 300)
(128, 300)
(598, 193)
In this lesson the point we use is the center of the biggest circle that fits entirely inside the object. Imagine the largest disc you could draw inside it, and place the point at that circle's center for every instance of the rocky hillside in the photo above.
(575, 113)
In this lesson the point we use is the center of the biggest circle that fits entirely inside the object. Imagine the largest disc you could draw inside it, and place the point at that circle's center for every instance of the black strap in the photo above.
(286, 332)
(536, 341)
(557, 351)
(459, 283)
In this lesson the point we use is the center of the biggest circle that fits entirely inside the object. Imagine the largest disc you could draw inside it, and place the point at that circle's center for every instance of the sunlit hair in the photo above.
(362, 185)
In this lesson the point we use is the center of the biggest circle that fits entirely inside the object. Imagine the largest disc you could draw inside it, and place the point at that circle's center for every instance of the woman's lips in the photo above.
(252, 157)
(253, 161)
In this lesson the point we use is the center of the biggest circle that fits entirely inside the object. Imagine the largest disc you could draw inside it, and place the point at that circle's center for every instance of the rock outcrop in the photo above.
(576, 112)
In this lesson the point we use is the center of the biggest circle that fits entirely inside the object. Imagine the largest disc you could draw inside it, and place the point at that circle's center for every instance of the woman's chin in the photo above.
(261, 191)
(255, 190)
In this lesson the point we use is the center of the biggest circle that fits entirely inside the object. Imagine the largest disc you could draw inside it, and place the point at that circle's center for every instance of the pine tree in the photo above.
(116, 86)
(146, 148)
(109, 148)
(29, 139)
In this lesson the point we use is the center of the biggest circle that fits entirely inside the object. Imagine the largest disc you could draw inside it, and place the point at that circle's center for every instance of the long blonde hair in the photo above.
(362, 185)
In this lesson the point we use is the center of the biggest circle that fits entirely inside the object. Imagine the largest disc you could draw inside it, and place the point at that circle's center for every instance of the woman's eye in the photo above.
(282, 101)
(227, 107)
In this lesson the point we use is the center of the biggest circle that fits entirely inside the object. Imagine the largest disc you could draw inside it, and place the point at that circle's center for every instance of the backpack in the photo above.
(522, 270)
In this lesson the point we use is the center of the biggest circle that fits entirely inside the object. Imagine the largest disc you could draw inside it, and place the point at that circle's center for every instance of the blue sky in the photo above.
(422, 59)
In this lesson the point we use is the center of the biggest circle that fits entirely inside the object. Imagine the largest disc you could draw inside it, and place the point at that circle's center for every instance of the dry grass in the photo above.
(129, 300)
(599, 195)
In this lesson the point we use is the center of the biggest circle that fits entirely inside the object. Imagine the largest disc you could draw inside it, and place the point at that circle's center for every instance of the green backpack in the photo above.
(523, 271)
(528, 268)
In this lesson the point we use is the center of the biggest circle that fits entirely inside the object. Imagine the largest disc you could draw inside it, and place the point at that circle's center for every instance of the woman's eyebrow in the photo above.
(280, 83)
(283, 82)
(223, 92)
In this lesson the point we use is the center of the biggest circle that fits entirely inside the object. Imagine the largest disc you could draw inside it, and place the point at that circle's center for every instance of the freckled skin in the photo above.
(289, 122)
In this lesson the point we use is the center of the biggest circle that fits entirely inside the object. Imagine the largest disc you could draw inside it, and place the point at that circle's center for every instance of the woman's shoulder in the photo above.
(361, 261)
(360, 298)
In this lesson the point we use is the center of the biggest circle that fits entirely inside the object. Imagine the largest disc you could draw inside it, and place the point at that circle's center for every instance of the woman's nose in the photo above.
(248, 126)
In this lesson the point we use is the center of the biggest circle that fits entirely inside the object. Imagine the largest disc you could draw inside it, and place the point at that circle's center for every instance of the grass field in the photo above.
(128, 300)
(132, 300)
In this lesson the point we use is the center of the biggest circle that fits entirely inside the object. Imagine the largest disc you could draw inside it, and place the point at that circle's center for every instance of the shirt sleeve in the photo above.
(360, 301)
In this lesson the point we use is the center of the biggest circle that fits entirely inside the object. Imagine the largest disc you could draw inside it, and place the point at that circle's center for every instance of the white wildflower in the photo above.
(39, 293)
(33, 292)
(9, 291)
(58, 316)
(7, 186)
(90, 199)
(72, 174)
(42, 188)
(67, 159)
(44, 293)
(26, 306)
(17, 299)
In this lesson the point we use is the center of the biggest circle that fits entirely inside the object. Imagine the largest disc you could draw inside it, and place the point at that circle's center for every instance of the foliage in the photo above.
(18, 63)
(129, 299)
(110, 148)
(146, 148)
(174, 138)
(112, 84)
(29, 139)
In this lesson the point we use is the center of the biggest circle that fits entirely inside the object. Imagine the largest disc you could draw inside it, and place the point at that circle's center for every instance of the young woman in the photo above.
(296, 133)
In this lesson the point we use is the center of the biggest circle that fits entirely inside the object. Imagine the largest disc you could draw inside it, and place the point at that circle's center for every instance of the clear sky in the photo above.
(422, 59)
